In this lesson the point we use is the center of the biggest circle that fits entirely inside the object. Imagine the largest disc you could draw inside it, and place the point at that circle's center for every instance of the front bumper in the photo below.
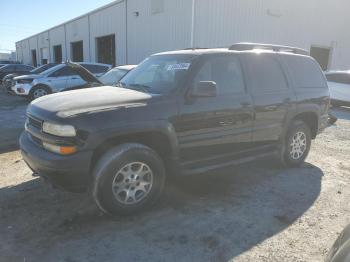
(68, 172)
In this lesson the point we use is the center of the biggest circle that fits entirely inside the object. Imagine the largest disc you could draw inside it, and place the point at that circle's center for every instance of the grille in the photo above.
(36, 140)
(35, 122)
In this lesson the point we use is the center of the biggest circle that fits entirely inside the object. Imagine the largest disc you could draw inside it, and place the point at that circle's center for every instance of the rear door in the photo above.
(272, 96)
(212, 126)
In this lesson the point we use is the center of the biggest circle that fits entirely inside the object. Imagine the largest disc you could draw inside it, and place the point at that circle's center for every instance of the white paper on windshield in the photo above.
(182, 66)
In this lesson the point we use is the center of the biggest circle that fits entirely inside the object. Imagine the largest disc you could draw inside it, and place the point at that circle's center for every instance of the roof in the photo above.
(126, 67)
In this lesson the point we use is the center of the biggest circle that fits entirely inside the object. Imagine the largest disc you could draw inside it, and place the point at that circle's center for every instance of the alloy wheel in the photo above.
(132, 183)
(298, 145)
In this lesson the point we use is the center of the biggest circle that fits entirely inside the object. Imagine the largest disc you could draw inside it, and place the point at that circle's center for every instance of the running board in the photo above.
(234, 162)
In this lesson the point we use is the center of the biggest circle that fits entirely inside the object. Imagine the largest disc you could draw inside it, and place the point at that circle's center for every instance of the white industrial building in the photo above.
(127, 31)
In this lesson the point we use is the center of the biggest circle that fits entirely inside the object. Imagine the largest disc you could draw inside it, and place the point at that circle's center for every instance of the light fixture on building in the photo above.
(136, 13)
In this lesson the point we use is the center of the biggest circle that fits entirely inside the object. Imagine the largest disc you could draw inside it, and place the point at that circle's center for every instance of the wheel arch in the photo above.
(309, 118)
(162, 140)
(40, 85)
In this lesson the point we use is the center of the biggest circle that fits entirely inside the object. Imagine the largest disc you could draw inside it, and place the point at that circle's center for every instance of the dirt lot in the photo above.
(249, 213)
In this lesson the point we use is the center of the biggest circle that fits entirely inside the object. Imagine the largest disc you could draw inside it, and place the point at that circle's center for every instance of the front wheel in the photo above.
(296, 145)
(39, 91)
(127, 179)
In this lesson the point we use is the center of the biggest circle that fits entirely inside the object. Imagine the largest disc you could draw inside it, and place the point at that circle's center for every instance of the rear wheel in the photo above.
(128, 179)
(39, 91)
(297, 144)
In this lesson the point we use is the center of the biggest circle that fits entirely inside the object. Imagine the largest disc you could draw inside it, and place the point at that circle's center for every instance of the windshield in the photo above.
(113, 76)
(158, 74)
(52, 69)
(42, 68)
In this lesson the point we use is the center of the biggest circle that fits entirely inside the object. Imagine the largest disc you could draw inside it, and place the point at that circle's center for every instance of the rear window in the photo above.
(96, 69)
(305, 72)
(339, 78)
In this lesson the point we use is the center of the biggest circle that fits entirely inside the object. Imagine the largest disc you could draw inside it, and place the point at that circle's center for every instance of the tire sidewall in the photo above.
(31, 93)
(113, 161)
(297, 126)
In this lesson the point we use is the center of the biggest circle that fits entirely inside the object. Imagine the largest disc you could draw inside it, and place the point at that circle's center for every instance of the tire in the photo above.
(38, 91)
(296, 144)
(121, 170)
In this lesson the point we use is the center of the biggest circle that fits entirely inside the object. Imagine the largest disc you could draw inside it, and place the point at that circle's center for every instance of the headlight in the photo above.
(59, 130)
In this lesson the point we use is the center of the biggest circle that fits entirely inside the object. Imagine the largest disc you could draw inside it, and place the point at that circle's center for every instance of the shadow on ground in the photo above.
(211, 217)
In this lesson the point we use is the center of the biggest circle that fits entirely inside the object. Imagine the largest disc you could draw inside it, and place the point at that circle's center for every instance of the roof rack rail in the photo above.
(276, 48)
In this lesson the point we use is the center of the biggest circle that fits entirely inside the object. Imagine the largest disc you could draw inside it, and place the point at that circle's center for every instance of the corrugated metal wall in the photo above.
(107, 22)
(143, 27)
(157, 30)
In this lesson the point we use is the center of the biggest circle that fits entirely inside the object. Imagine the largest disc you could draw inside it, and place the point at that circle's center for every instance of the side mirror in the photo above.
(204, 89)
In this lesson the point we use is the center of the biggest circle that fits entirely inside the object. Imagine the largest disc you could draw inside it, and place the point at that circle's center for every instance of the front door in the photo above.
(58, 80)
(211, 126)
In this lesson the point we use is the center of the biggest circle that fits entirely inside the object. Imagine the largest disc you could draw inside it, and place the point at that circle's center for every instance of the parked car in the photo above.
(339, 87)
(177, 113)
(340, 251)
(14, 68)
(113, 76)
(7, 62)
(56, 79)
(8, 81)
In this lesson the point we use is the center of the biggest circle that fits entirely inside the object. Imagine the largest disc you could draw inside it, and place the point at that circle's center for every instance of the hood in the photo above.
(26, 77)
(83, 73)
(88, 100)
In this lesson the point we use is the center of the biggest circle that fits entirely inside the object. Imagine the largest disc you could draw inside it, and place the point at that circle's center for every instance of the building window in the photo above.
(77, 51)
(157, 6)
(105, 49)
(322, 56)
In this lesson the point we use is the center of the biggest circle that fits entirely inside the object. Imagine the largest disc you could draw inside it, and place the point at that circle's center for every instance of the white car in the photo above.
(55, 79)
(339, 87)
(113, 76)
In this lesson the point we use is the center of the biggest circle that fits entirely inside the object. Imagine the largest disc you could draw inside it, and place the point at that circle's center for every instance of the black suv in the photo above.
(177, 113)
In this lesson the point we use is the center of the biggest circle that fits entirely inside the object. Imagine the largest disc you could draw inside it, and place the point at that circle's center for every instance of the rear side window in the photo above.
(305, 72)
(339, 78)
(225, 71)
(96, 69)
(265, 73)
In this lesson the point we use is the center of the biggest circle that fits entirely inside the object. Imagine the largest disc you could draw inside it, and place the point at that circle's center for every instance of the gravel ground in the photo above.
(249, 213)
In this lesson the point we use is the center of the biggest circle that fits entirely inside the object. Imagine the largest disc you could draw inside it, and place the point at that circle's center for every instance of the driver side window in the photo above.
(225, 71)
